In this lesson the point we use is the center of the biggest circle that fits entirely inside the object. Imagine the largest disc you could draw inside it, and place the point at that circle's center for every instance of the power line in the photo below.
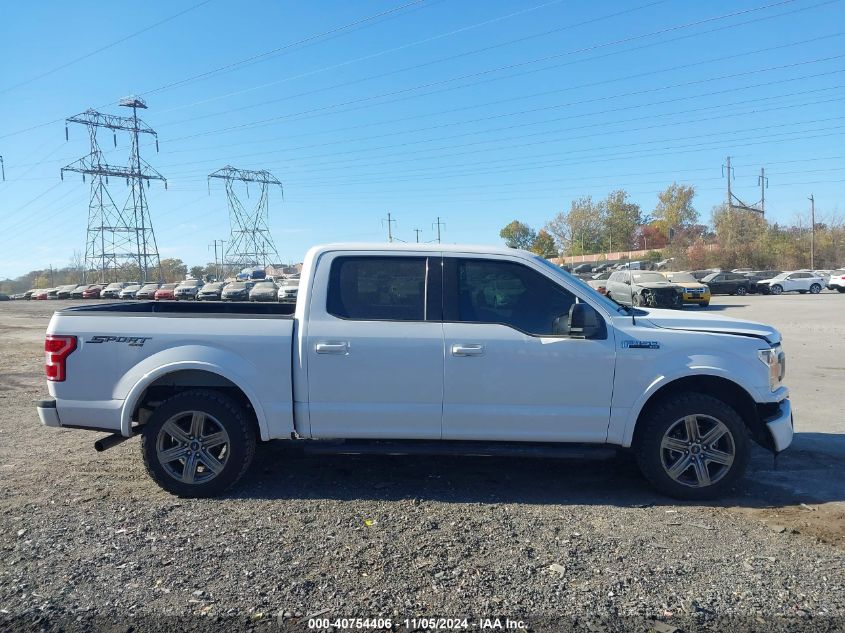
(106, 47)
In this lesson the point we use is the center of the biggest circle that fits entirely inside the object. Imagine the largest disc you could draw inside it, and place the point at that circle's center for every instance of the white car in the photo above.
(288, 289)
(836, 281)
(798, 281)
(129, 292)
(434, 348)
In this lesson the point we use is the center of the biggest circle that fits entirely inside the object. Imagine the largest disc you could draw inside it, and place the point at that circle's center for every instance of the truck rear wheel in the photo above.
(693, 446)
(198, 443)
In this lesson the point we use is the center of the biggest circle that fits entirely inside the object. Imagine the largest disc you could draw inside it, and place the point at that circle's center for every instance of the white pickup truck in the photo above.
(412, 349)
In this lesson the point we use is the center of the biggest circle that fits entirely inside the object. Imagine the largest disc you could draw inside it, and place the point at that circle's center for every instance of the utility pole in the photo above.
(418, 231)
(390, 221)
(2, 169)
(438, 224)
(217, 271)
(764, 184)
(812, 232)
(728, 170)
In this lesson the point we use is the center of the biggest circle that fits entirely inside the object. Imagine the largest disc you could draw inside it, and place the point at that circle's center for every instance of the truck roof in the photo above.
(416, 247)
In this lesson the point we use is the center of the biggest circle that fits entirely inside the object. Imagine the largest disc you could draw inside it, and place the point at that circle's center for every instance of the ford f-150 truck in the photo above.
(413, 348)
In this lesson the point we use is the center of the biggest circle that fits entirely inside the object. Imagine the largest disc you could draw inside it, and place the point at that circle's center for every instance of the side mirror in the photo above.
(627, 282)
(585, 322)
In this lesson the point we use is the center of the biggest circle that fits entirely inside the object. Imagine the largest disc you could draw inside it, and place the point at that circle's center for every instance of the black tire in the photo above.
(637, 300)
(815, 289)
(666, 415)
(742, 291)
(223, 412)
(840, 289)
(776, 289)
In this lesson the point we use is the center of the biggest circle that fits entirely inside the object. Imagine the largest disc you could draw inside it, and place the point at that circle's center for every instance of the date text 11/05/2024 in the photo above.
(430, 623)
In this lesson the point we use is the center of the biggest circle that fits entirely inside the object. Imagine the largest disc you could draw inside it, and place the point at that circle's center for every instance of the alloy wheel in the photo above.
(192, 447)
(697, 450)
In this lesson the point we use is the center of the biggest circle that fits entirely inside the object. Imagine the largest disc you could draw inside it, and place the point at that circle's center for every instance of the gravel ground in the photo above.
(88, 542)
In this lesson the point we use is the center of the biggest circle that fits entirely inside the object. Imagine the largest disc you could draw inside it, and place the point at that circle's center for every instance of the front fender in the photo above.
(213, 360)
(622, 426)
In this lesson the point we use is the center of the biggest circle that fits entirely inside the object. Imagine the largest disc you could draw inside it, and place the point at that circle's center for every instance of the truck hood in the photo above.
(679, 320)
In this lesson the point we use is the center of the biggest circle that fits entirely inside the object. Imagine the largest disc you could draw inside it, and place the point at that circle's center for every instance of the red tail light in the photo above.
(57, 349)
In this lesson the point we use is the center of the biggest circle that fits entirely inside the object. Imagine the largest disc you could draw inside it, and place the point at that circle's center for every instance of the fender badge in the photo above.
(640, 345)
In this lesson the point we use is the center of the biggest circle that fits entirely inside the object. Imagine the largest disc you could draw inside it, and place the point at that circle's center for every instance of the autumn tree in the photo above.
(674, 210)
(579, 230)
(544, 245)
(518, 235)
(173, 269)
(621, 219)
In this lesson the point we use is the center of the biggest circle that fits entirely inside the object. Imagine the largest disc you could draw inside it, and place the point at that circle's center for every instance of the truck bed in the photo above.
(196, 309)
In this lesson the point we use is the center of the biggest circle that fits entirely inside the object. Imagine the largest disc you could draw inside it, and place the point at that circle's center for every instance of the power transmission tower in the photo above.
(250, 243)
(438, 224)
(120, 239)
(733, 201)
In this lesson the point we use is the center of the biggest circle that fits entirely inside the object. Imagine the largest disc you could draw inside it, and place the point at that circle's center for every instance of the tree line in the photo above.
(673, 228)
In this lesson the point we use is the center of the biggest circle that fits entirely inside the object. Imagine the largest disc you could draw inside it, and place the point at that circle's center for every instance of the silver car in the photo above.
(187, 290)
(263, 291)
(643, 288)
(129, 292)
(237, 291)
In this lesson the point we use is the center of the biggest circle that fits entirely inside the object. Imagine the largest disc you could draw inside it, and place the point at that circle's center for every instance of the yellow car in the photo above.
(693, 290)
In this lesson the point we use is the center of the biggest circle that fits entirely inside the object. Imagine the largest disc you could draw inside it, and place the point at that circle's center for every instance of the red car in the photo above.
(92, 292)
(165, 292)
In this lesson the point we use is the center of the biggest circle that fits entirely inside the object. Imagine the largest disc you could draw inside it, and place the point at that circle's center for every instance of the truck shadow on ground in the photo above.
(719, 307)
(808, 473)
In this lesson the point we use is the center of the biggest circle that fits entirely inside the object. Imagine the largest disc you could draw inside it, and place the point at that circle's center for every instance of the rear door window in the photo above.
(377, 288)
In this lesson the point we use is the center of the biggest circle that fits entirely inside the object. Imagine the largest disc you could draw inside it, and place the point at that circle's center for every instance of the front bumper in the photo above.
(47, 412)
(695, 297)
(780, 426)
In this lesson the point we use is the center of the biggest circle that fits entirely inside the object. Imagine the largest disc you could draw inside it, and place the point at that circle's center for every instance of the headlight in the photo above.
(775, 360)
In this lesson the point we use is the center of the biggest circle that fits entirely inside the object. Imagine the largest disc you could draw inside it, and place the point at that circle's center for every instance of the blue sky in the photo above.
(477, 112)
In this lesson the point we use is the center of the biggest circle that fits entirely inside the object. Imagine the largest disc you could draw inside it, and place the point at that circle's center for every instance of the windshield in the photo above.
(595, 295)
(290, 283)
(114, 286)
(265, 285)
(190, 283)
(684, 277)
(240, 285)
(216, 286)
(781, 276)
(150, 287)
(132, 287)
(168, 286)
(648, 277)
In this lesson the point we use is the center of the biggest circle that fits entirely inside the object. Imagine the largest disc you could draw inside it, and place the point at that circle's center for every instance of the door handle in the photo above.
(468, 349)
(332, 347)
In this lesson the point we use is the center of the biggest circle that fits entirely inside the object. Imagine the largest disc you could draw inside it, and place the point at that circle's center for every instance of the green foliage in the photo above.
(580, 230)
(620, 221)
(173, 269)
(518, 235)
(544, 245)
(674, 208)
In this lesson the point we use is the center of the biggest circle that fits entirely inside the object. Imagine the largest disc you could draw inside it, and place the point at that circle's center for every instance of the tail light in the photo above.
(57, 349)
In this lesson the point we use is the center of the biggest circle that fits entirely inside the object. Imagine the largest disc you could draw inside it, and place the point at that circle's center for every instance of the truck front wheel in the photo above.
(198, 443)
(692, 446)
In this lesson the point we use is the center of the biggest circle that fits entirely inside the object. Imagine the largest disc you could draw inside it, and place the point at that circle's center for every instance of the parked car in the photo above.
(599, 282)
(53, 294)
(187, 289)
(263, 291)
(701, 274)
(741, 270)
(18, 296)
(692, 291)
(92, 292)
(147, 291)
(756, 276)
(798, 281)
(727, 283)
(288, 290)
(507, 350)
(601, 267)
(211, 291)
(643, 288)
(583, 268)
(28, 294)
(836, 281)
(165, 292)
(76, 293)
(41, 294)
(5, 297)
(237, 291)
(129, 292)
(63, 292)
(112, 291)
